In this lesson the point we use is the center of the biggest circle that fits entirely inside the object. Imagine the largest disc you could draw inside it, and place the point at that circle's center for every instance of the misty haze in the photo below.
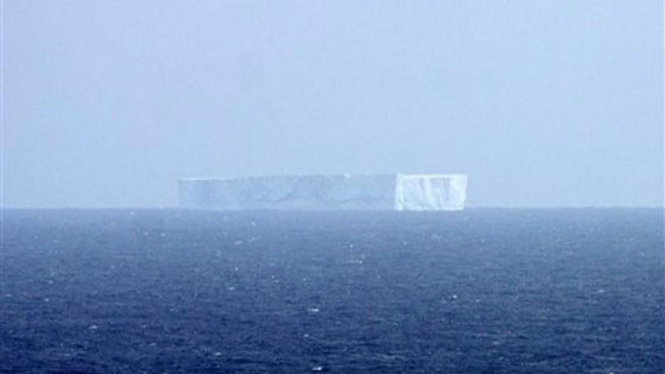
(332, 186)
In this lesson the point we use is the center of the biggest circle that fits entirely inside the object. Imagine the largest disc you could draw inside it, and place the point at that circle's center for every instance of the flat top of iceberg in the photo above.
(346, 175)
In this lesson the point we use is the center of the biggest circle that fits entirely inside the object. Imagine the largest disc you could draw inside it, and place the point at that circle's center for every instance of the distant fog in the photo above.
(541, 103)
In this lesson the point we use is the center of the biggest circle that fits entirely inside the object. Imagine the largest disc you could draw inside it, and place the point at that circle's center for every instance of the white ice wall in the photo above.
(430, 192)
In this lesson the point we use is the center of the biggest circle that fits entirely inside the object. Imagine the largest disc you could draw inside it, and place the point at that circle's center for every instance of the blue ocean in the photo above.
(479, 291)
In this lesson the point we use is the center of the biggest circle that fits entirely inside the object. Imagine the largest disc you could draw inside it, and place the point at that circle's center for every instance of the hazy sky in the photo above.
(542, 103)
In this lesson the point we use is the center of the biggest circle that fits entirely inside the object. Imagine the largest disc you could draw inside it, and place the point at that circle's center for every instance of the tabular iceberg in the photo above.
(327, 192)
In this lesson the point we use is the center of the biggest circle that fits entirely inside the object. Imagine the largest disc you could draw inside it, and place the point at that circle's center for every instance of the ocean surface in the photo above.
(480, 291)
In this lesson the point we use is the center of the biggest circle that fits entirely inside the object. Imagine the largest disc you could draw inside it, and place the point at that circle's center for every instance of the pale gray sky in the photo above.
(542, 103)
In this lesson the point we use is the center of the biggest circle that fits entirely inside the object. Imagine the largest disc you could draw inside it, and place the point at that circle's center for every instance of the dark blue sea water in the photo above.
(482, 291)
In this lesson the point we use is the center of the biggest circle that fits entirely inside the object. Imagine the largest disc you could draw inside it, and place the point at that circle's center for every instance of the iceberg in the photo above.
(401, 192)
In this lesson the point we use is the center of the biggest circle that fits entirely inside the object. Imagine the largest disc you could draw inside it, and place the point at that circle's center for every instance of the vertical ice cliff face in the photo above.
(306, 192)
(430, 192)
(326, 192)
